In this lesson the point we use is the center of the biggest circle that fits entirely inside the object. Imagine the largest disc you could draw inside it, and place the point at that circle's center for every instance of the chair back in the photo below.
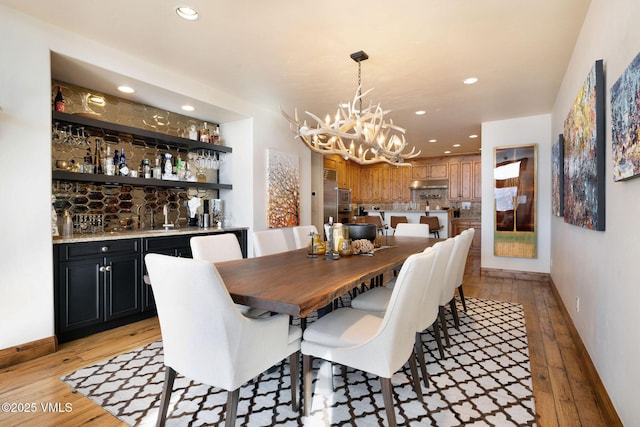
(411, 230)
(395, 220)
(269, 242)
(202, 329)
(456, 262)
(468, 235)
(396, 335)
(216, 247)
(301, 235)
(434, 284)
(373, 219)
(431, 221)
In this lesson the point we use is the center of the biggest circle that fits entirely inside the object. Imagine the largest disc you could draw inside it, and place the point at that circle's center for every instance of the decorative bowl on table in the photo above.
(362, 231)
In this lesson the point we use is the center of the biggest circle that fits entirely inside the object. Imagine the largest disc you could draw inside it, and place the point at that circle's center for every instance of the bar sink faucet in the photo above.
(165, 212)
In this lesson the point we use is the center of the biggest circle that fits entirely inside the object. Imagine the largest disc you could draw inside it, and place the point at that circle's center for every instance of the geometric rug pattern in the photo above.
(484, 380)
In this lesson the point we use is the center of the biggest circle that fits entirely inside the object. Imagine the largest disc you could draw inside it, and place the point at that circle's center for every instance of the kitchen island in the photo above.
(413, 216)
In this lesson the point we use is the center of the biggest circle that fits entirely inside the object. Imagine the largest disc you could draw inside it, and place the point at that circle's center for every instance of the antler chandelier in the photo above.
(376, 139)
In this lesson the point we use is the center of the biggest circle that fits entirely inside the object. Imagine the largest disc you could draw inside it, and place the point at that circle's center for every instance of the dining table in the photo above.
(293, 283)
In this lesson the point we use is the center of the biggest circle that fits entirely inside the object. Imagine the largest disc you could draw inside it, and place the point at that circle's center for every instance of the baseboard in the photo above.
(27, 351)
(608, 410)
(514, 274)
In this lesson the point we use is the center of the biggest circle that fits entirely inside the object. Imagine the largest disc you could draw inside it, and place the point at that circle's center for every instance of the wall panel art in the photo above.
(283, 189)
(625, 122)
(584, 155)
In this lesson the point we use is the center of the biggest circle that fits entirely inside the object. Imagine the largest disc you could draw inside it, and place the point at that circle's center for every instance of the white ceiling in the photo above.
(295, 53)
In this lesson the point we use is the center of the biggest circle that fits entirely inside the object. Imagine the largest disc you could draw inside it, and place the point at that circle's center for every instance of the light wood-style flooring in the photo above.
(564, 387)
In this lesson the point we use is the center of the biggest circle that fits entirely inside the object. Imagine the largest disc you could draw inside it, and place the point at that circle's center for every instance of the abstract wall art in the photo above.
(283, 189)
(557, 177)
(625, 122)
(584, 155)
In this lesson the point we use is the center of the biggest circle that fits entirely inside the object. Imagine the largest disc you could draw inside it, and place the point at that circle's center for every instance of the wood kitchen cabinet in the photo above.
(400, 178)
(341, 166)
(354, 182)
(458, 225)
(430, 168)
(465, 178)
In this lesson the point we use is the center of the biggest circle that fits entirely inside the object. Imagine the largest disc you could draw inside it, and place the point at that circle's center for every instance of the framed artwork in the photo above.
(584, 155)
(515, 194)
(283, 189)
(625, 122)
(557, 178)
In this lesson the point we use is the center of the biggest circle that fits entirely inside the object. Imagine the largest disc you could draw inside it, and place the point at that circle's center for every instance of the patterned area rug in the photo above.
(484, 380)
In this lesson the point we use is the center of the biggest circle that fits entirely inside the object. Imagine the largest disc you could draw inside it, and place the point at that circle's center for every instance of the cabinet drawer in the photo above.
(106, 247)
(162, 244)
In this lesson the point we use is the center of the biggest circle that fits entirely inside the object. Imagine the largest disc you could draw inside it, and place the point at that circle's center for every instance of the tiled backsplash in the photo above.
(120, 204)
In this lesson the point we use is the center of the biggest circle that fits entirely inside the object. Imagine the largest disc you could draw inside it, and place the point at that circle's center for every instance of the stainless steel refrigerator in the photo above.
(337, 201)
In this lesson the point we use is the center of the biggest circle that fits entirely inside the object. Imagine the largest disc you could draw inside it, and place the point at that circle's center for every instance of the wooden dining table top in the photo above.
(292, 283)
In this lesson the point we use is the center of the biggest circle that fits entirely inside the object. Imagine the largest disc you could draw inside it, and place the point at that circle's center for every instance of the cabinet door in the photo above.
(466, 182)
(454, 181)
(354, 183)
(343, 173)
(122, 286)
(438, 171)
(384, 181)
(400, 177)
(419, 172)
(477, 179)
(366, 185)
(79, 294)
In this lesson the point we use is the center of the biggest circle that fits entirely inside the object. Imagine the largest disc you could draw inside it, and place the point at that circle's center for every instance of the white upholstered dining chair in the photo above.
(269, 242)
(220, 248)
(301, 235)
(469, 232)
(379, 346)
(207, 339)
(411, 230)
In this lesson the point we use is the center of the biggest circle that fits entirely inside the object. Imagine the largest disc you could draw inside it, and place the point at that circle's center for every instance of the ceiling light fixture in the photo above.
(433, 140)
(473, 136)
(188, 13)
(421, 112)
(188, 107)
(456, 145)
(378, 140)
(126, 89)
(470, 80)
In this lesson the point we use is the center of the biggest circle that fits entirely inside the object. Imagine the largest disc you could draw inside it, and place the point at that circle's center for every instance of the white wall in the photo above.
(601, 267)
(26, 272)
(520, 131)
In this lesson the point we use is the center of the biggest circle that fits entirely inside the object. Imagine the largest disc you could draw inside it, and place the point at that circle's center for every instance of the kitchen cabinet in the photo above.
(454, 180)
(477, 179)
(436, 168)
(97, 285)
(465, 178)
(400, 178)
(466, 181)
(458, 225)
(148, 138)
(354, 182)
(341, 166)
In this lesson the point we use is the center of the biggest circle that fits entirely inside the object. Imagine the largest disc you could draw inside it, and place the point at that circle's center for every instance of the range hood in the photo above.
(429, 184)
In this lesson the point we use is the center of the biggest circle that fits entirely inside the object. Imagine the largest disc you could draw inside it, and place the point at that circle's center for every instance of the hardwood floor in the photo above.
(565, 392)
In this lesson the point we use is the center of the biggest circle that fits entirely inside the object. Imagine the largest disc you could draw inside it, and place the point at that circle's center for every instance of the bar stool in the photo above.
(434, 225)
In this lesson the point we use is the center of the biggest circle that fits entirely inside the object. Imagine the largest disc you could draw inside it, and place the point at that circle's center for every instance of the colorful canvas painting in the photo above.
(557, 178)
(625, 122)
(584, 155)
(283, 189)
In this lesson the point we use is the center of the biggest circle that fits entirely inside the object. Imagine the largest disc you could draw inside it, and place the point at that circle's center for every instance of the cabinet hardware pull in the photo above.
(102, 269)
(108, 268)
(105, 248)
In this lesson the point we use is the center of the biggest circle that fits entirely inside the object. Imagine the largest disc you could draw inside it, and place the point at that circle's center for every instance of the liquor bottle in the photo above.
(58, 101)
(124, 169)
(108, 160)
(116, 163)
(97, 160)
(146, 168)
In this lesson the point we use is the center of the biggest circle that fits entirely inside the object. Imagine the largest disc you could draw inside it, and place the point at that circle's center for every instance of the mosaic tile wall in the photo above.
(123, 206)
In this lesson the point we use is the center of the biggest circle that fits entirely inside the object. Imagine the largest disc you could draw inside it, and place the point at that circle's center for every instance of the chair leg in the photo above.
(169, 377)
(443, 322)
(232, 407)
(294, 360)
(387, 396)
(420, 354)
(414, 375)
(464, 303)
(436, 333)
(307, 362)
(454, 311)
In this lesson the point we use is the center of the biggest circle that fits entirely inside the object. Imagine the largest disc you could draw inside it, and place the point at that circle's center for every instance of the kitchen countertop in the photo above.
(136, 234)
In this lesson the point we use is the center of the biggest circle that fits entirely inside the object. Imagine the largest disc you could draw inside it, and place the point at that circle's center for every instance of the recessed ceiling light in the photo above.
(188, 107)
(447, 152)
(473, 136)
(456, 145)
(470, 80)
(433, 140)
(421, 112)
(126, 89)
(188, 13)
